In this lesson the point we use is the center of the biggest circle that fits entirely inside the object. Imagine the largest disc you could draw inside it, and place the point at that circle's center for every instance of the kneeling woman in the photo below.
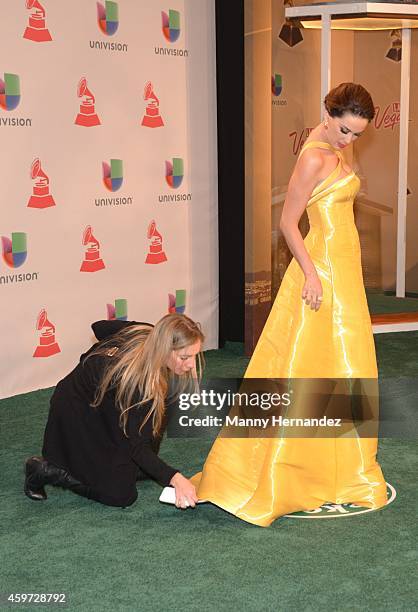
(106, 416)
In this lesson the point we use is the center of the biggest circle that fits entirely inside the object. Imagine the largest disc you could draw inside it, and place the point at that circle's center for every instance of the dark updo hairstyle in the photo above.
(349, 98)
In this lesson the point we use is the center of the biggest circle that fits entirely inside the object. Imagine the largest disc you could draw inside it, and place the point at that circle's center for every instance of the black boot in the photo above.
(40, 472)
(34, 479)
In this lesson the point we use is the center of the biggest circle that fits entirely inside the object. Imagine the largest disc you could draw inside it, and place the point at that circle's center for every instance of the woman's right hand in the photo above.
(185, 491)
(312, 291)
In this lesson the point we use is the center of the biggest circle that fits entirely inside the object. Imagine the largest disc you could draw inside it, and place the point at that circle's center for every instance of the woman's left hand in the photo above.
(312, 291)
(185, 491)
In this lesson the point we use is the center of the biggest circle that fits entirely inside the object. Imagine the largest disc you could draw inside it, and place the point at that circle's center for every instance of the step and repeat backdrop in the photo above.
(109, 180)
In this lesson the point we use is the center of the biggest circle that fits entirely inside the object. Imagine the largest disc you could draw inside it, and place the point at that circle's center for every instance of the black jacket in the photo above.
(89, 442)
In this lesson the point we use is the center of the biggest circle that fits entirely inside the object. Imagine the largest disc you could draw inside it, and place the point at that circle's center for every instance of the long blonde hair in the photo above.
(139, 366)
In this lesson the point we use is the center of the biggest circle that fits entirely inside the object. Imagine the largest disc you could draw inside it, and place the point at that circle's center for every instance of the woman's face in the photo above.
(184, 360)
(342, 131)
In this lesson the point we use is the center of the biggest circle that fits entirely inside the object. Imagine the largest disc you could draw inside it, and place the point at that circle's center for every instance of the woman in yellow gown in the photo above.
(319, 327)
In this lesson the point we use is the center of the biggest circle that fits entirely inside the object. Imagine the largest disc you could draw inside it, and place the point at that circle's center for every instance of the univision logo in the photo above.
(112, 174)
(171, 32)
(15, 252)
(177, 302)
(9, 91)
(174, 173)
(117, 311)
(108, 17)
(276, 89)
(10, 99)
(108, 21)
(276, 84)
(171, 25)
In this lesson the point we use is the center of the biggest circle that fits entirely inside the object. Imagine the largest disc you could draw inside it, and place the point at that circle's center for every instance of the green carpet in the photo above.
(380, 303)
(154, 557)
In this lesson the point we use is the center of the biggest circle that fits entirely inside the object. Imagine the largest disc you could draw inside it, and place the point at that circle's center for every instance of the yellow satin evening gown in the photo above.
(261, 479)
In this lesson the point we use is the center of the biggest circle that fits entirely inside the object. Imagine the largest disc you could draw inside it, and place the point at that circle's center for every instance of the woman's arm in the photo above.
(302, 182)
(142, 451)
(147, 459)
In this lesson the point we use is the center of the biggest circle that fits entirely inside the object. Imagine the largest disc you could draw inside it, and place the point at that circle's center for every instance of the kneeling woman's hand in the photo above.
(185, 491)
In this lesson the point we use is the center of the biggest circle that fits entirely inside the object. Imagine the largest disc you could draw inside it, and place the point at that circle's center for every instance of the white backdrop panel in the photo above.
(71, 156)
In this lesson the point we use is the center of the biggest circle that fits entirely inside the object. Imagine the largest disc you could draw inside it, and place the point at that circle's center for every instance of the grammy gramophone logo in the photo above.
(152, 117)
(41, 197)
(92, 261)
(87, 116)
(47, 345)
(36, 29)
(156, 253)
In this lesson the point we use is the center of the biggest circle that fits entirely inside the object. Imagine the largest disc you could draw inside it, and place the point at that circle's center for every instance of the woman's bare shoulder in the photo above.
(310, 162)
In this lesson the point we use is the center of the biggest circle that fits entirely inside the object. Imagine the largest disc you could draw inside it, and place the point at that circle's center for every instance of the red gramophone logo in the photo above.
(40, 198)
(156, 254)
(152, 117)
(47, 345)
(87, 116)
(36, 30)
(92, 261)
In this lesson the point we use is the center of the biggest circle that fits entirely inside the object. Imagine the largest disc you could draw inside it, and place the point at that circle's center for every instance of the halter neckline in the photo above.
(327, 144)
(332, 179)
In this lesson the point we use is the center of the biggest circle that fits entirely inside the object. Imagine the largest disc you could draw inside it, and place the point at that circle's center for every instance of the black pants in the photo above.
(120, 490)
